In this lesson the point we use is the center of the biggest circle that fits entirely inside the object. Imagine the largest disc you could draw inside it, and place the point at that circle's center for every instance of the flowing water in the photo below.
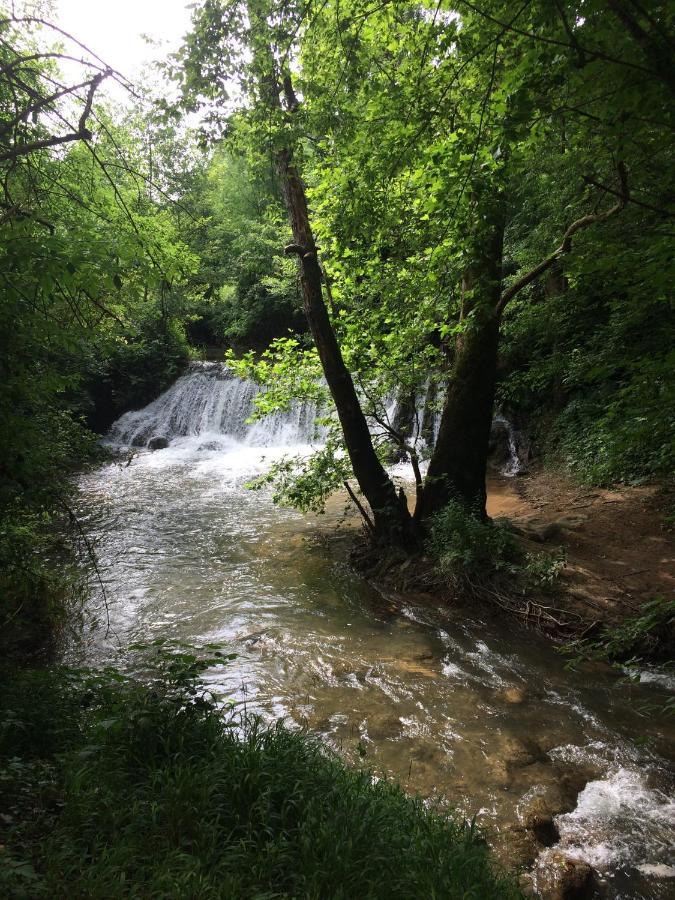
(461, 708)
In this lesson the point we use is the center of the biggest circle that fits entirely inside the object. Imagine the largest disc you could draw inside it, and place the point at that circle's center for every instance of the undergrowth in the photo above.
(469, 549)
(650, 634)
(632, 646)
(116, 787)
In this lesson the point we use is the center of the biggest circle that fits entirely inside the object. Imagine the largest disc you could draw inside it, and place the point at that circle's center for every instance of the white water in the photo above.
(210, 402)
(188, 553)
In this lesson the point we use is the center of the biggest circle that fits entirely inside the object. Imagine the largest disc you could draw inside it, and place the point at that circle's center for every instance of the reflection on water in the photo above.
(461, 708)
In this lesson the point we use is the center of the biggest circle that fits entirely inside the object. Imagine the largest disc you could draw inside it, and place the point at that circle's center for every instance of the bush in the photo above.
(116, 788)
(133, 371)
(468, 546)
(39, 581)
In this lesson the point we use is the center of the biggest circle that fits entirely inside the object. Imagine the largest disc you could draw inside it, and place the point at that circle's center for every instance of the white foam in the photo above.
(657, 870)
(619, 820)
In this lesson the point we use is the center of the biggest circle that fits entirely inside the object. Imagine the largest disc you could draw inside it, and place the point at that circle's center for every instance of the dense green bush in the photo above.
(466, 545)
(588, 361)
(113, 788)
(131, 371)
(39, 583)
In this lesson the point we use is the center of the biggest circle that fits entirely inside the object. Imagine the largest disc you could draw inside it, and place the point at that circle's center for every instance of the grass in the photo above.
(112, 787)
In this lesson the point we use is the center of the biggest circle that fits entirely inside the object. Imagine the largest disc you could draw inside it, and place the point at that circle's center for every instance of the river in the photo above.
(461, 707)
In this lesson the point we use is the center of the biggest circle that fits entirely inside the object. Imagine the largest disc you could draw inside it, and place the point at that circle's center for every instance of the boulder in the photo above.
(515, 694)
(561, 877)
(158, 443)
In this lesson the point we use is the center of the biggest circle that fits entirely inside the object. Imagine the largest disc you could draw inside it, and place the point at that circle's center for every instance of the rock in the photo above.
(252, 639)
(560, 877)
(158, 443)
(517, 753)
(384, 726)
(519, 850)
(515, 694)
(538, 809)
(526, 884)
(542, 532)
(544, 828)
(414, 668)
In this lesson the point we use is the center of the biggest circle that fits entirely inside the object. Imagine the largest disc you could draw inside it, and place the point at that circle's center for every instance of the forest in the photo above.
(394, 280)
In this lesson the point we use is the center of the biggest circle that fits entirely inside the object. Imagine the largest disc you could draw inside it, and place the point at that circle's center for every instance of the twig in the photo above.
(360, 507)
(94, 562)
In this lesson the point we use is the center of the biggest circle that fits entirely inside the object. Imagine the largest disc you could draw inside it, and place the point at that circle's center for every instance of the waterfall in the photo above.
(211, 401)
(512, 463)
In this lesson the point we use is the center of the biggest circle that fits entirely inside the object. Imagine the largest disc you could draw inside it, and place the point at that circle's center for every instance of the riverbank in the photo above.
(112, 787)
(615, 548)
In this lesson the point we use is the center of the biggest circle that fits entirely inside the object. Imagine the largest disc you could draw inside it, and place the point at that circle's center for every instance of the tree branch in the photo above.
(566, 243)
(82, 133)
(360, 507)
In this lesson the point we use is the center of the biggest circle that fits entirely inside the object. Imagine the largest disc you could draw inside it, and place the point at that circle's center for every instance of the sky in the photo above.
(114, 29)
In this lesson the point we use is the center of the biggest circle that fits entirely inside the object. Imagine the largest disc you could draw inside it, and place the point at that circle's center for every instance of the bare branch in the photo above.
(82, 133)
(360, 507)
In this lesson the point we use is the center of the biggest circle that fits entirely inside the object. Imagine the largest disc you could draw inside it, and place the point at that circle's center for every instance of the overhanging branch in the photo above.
(566, 243)
(82, 133)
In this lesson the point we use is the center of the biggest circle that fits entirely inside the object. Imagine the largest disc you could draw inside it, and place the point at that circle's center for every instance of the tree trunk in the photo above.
(392, 520)
(458, 463)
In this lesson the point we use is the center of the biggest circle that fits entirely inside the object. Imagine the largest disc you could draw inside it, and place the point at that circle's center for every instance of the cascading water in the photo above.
(211, 404)
(209, 401)
(454, 705)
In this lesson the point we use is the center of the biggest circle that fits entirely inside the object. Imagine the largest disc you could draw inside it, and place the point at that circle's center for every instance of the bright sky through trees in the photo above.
(115, 31)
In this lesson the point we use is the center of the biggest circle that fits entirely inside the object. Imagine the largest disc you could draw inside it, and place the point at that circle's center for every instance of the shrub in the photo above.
(466, 545)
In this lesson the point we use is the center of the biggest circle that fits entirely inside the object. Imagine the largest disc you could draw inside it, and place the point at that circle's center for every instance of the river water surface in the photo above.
(461, 708)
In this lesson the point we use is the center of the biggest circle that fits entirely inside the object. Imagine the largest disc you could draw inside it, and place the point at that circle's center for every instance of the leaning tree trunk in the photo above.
(392, 520)
(458, 464)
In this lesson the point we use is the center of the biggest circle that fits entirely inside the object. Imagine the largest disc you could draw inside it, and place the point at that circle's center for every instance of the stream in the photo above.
(462, 708)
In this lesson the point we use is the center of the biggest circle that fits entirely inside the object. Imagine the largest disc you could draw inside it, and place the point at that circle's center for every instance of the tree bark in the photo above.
(392, 521)
(459, 460)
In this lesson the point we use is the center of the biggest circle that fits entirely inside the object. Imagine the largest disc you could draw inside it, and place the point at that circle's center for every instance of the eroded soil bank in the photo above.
(617, 546)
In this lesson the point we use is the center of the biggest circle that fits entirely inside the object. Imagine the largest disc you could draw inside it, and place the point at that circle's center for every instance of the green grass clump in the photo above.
(115, 788)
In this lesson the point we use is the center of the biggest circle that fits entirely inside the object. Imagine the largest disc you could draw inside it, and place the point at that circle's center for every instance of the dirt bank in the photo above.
(618, 548)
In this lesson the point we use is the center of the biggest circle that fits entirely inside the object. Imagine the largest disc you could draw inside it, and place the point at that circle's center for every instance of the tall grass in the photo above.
(115, 788)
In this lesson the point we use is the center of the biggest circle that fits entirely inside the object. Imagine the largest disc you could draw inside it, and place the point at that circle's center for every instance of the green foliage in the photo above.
(245, 291)
(647, 636)
(474, 553)
(39, 584)
(286, 370)
(650, 634)
(306, 482)
(590, 361)
(93, 272)
(147, 789)
(542, 570)
(132, 370)
(467, 546)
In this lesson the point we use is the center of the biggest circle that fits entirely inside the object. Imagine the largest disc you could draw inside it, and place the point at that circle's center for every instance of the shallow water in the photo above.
(461, 708)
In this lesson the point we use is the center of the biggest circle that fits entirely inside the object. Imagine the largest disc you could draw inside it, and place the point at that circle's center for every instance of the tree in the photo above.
(451, 111)
(222, 32)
